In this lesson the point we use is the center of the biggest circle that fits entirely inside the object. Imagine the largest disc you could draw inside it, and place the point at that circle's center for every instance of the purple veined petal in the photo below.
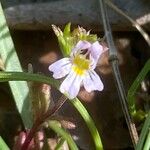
(63, 71)
(95, 51)
(71, 85)
(81, 45)
(92, 82)
(56, 65)
(60, 68)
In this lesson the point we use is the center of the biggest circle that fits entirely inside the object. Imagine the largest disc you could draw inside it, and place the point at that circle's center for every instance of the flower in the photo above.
(79, 68)
(68, 39)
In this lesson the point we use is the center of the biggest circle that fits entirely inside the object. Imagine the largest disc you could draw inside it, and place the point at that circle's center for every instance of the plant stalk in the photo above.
(39, 121)
(114, 63)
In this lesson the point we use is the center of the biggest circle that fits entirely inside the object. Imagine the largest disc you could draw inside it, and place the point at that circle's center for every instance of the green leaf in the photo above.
(132, 105)
(143, 134)
(147, 142)
(11, 63)
(134, 87)
(3, 145)
(60, 144)
(60, 131)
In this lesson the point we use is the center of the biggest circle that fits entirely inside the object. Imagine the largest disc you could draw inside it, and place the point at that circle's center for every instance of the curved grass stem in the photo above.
(20, 76)
(90, 123)
(143, 134)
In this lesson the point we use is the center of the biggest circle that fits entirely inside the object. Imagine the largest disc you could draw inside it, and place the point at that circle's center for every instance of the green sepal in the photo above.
(67, 39)
(140, 115)
(66, 32)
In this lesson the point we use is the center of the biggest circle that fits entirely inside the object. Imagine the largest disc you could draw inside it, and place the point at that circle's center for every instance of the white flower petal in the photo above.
(60, 68)
(56, 65)
(92, 82)
(63, 71)
(95, 51)
(81, 45)
(71, 85)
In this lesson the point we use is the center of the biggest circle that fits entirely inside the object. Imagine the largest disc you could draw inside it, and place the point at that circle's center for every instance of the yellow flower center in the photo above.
(81, 64)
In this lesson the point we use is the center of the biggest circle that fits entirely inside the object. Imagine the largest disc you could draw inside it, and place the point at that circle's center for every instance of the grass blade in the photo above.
(60, 144)
(11, 63)
(134, 87)
(60, 131)
(3, 145)
(144, 132)
(147, 143)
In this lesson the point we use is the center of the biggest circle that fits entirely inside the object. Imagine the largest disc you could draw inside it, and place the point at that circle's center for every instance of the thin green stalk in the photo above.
(79, 106)
(113, 58)
(40, 120)
(134, 87)
(134, 23)
(20, 76)
(147, 143)
(90, 123)
(144, 132)
(54, 126)
(3, 145)
(60, 144)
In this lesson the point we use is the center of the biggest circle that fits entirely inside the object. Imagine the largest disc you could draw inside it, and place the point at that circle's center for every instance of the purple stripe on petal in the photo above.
(92, 82)
(71, 85)
(81, 45)
(95, 51)
(56, 65)
(60, 68)
(63, 71)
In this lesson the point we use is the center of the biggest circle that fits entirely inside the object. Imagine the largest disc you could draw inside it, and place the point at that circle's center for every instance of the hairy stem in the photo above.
(39, 121)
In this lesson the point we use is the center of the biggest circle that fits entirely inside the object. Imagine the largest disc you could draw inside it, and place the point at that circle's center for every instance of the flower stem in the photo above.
(143, 134)
(147, 143)
(89, 122)
(20, 76)
(39, 121)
